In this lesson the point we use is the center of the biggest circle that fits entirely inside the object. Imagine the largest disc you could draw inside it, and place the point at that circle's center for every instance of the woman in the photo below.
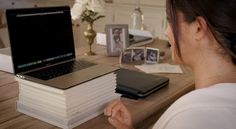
(202, 34)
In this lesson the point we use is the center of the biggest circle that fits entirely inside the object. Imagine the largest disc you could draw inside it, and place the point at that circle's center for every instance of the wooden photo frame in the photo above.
(117, 38)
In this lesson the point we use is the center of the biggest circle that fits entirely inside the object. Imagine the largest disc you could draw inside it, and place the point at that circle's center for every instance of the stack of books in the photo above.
(66, 108)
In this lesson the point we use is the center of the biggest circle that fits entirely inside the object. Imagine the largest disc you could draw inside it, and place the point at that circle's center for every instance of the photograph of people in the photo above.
(202, 35)
(117, 40)
(152, 55)
(126, 56)
(138, 55)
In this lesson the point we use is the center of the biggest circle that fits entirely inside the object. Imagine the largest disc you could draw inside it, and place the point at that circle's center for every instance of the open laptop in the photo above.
(43, 50)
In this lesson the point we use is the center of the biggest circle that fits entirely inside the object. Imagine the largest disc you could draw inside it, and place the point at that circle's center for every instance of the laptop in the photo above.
(135, 84)
(43, 51)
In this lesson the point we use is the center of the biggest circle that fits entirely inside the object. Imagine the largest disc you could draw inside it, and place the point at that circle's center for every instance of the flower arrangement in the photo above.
(88, 10)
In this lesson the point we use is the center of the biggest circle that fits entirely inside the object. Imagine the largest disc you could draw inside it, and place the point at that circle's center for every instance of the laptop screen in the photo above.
(40, 37)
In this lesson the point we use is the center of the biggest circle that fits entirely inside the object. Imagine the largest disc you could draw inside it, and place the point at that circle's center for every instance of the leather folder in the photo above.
(134, 84)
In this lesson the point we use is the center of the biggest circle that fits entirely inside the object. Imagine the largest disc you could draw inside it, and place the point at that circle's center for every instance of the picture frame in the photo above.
(126, 56)
(117, 38)
(152, 55)
(138, 55)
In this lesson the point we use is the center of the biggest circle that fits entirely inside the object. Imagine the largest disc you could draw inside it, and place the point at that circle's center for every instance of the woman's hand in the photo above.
(118, 115)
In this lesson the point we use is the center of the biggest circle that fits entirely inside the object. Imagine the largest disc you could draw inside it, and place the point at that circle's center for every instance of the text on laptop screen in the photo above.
(40, 37)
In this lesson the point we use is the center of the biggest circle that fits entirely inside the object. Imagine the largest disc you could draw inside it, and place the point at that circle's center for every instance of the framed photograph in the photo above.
(152, 55)
(117, 38)
(126, 56)
(138, 55)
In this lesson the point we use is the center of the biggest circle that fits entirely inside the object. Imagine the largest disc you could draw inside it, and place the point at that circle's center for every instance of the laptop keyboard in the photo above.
(61, 69)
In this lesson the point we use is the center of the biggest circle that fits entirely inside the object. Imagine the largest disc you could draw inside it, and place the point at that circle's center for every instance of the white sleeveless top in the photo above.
(207, 108)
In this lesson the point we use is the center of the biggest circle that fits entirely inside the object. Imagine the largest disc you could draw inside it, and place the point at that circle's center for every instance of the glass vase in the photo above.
(138, 17)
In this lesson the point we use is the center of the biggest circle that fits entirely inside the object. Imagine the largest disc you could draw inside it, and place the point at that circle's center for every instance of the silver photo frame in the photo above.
(126, 56)
(152, 55)
(117, 38)
(138, 55)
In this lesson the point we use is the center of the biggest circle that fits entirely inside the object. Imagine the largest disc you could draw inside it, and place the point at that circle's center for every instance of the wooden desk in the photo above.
(145, 111)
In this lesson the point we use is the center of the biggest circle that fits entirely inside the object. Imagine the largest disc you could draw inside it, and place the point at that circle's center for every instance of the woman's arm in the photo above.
(118, 115)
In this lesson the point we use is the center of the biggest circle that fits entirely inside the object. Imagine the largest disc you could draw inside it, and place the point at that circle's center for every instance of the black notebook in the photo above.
(134, 84)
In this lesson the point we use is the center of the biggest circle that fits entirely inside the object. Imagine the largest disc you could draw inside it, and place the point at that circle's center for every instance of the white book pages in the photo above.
(55, 120)
(67, 111)
(47, 103)
(40, 86)
(74, 89)
(82, 108)
(99, 106)
(88, 89)
(25, 90)
(93, 83)
(50, 110)
(44, 116)
(64, 113)
(106, 84)
(42, 96)
(92, 94)
(65, 123)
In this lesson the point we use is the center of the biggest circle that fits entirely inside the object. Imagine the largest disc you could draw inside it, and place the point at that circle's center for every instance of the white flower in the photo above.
(96, 6)
(81, 5)
(76, 11)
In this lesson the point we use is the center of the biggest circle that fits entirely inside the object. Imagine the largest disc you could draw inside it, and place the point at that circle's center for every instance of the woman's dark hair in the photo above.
(218, 14)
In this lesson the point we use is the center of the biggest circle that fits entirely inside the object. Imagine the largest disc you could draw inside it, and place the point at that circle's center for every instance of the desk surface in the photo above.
(142, 110)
